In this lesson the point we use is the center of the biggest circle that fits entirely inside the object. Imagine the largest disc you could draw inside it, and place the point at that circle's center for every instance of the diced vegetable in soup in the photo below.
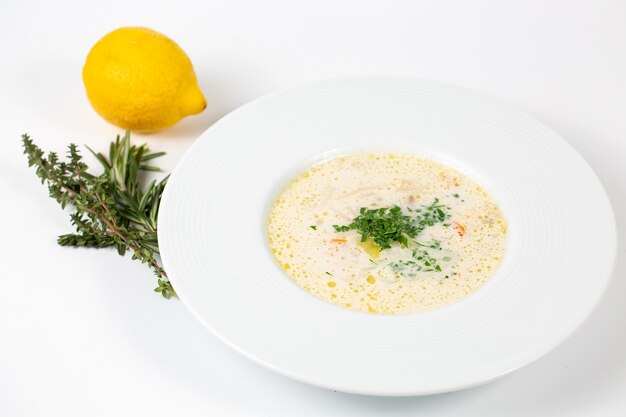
(386, 233)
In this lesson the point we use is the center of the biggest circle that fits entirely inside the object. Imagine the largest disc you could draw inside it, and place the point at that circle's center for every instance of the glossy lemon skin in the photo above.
(139, 79)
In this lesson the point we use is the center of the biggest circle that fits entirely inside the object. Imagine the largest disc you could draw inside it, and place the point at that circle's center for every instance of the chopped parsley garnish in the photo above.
(313, 227)
(421, 261)
(386, 225)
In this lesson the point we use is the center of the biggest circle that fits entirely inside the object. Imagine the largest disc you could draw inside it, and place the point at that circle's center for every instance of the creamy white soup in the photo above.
(386, 233)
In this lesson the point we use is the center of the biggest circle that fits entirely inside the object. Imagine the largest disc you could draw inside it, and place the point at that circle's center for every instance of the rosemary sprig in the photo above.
(113, 208)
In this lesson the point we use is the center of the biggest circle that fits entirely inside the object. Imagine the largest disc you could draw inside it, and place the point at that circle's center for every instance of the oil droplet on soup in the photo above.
(386, 233)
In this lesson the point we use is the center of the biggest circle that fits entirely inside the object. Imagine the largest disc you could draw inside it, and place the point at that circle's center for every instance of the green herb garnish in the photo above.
(313, 227)
(386, 225)
(113, 208)
(421, 261)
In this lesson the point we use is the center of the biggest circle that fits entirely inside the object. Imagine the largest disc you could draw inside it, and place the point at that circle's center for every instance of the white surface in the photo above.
(217, 257)
(97, 341)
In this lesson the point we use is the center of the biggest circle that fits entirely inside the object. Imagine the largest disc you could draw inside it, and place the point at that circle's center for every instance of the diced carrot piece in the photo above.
(460, 229)
(339, 240)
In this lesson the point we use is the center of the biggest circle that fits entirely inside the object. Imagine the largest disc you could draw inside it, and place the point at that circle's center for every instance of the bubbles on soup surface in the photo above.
(445, 235)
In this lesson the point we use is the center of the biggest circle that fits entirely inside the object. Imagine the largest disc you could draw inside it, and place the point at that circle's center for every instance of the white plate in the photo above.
(212, 234)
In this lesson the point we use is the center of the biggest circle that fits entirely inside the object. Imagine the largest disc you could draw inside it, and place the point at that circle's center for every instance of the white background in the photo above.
(82, 333)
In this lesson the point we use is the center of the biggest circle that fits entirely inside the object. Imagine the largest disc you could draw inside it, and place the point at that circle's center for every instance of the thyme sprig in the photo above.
(111, 209)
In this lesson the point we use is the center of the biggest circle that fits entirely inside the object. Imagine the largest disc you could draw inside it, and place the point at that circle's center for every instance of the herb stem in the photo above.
(112, 209)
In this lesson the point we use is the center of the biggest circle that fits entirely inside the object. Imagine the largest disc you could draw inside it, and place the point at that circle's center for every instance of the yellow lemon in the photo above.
(141, 80)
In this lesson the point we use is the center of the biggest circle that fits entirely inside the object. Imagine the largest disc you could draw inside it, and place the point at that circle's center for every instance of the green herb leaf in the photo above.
(112, 209)
(386, 225)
